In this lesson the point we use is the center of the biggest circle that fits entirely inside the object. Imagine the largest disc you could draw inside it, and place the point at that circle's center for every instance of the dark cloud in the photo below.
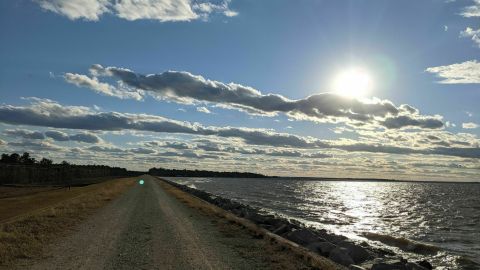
(25, 134)
(407, 121)
(85, 137)
(57, 135)
(186, 87)
(51, 114)
(142, 150)
(107, 149)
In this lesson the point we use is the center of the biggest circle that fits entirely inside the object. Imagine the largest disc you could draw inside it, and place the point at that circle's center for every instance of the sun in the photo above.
(353, 82)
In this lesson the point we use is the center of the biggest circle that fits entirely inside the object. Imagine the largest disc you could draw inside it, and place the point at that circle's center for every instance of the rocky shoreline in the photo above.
(337, 248)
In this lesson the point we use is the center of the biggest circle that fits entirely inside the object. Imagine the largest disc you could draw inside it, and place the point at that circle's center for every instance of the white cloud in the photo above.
(89, 10)
(160, 10)
(450, 124)
(473, 34)
(121, 91)
(164, 10)
(203, 110)
(466, 72)
(445, 28)
(472, 11)
(469, 125)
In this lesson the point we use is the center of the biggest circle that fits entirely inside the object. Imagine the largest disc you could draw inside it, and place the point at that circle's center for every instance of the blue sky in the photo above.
(420, 53)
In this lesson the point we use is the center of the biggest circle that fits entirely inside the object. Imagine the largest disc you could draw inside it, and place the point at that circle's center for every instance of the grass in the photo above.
(28, 222)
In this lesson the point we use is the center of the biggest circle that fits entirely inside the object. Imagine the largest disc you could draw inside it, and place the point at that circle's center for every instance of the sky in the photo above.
(370, 89)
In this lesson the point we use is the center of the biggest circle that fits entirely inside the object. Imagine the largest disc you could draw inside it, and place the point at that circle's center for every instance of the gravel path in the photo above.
(147, 228)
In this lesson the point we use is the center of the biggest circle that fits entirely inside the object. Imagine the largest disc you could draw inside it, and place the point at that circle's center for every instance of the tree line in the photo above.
(202, 173)
(24, 169)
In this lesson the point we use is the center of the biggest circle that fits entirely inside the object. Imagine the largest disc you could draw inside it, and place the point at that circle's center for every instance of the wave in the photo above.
(402, 243)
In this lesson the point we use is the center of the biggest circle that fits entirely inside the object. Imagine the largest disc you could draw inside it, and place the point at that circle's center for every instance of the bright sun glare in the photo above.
(354, 83)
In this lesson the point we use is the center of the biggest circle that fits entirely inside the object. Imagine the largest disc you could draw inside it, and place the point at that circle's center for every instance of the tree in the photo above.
(26, 159)
(46, 162)
(65, 163)
(5, 158)
(14, 158)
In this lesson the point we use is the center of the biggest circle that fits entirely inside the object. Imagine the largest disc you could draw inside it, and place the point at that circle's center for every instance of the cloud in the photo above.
(102, 88)
(131, 10)
(203, 110)
(37, 146)
(469, 125)
(405, 121)
(25, 134)
(85, 137)
(89, 10)
(473, 34)
(184, 87)
(107, 149)
(57, 135)
(466, 72)
(44, 112)
(472, 11)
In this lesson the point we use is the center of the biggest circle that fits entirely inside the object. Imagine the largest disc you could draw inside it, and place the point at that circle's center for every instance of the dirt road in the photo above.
(147, 228)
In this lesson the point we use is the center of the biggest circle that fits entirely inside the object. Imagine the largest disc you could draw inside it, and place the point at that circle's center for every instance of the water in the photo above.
(444, 216)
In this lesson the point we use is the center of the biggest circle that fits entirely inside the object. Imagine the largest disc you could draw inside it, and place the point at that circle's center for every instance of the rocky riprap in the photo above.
(337, 248)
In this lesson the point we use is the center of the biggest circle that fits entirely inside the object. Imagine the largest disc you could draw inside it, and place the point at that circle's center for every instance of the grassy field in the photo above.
(31, 217)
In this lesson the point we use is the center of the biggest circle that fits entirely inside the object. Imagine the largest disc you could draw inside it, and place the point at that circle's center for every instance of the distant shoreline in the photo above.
(308, 178)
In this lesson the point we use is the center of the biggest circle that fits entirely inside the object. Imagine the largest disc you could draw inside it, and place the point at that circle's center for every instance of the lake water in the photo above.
(443, 215)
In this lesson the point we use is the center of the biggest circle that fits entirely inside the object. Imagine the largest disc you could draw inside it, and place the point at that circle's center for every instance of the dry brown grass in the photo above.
(11, 191)
(279, 252)
(31, 221)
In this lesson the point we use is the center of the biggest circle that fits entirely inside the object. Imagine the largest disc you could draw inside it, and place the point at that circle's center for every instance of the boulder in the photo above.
(389, 266)
(254, 217)
(330, 237)
(302, 237)
(318, 245)
(357, 253)
(355, 267)
(340, 255)
(414, 266)
(323, 248)
(281, 229)
(425, 264)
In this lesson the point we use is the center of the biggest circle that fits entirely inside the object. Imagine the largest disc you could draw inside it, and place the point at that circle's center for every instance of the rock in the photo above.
(330, 237)
(340, 255)
(254, 217)
(355, 267)
(425, 264)
(414, 266)
(389, 266)
(357, 253)
(281, 229)
(273, 221)
(302, 237)
(317, 246)
(324, 248)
